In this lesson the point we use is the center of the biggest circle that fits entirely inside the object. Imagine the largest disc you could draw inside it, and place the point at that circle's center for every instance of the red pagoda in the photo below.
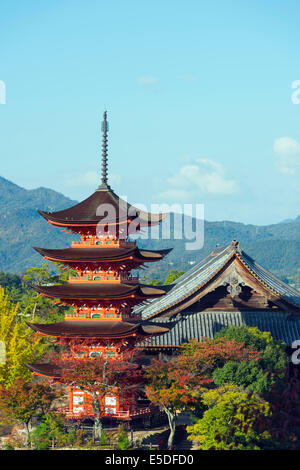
(104, 292)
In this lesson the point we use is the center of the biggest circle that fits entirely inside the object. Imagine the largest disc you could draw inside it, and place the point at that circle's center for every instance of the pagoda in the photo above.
(104, 292)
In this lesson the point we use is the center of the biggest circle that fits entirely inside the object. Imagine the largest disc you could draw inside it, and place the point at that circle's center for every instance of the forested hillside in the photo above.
(277, 247)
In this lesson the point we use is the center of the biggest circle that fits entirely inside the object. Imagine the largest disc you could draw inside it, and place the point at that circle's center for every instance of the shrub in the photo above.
(123, 441)
(104, 439)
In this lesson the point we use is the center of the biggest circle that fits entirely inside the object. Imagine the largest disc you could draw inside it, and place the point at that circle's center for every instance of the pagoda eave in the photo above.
(100, 291)
(44, 370)
(74, 223)
(98, 329)
(102, 255)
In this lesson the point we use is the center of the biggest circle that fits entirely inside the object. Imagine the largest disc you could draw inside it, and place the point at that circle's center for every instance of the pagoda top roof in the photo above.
(103, 207)
(98, 329)
(198, 279)
(100, 291)
(98, 254)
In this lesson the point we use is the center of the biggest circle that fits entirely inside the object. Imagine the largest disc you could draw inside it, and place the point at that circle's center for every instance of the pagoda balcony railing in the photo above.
(100, 316)
(102, 278)
(65, 411)
(102, 243)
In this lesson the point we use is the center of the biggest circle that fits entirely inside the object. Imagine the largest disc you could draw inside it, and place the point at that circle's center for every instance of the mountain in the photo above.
(21, 227)
(277, 246)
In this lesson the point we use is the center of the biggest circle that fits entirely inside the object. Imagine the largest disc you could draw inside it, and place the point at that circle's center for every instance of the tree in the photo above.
(178, 384)
(209, 354)
(173, 389)
(260, 375)
(30, 301)
(283, 423)
(123, 440)
(21, 345)
(49, 432)
(173, 274)
(151, 282)
(247, 374)
(231, 421)
(99, 376)
(23, 400)
(154, 282)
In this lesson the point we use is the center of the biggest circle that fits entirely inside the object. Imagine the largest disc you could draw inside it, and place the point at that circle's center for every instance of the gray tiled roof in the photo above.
(199, 275)
(279, 287)
(197, 325)
(188, 282)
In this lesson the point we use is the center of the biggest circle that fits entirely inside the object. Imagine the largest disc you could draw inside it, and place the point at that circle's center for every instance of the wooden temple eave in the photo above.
(222, 277)
(271, 294)
(191, 298)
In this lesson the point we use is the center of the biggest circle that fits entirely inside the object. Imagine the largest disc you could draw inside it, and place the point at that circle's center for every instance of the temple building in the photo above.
(113, 312)
(227, 288)
(104, 292)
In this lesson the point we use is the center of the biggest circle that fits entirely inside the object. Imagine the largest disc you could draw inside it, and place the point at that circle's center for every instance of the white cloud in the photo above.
(175, 195)
(200, 178)
(287, 154)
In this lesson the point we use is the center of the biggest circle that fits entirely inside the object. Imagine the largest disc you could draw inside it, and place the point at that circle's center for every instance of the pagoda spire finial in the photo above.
(105, 129)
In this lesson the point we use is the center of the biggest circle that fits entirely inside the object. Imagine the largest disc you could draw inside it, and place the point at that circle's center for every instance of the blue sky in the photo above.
(199, 100)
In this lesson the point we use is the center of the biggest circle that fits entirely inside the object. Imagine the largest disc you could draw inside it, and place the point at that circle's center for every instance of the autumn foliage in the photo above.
(179, 384)
(98, 374)
(23, 400)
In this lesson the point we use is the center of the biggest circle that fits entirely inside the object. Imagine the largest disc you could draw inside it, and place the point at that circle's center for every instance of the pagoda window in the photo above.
(110, 405)
(110, 401)
(94, 354)
(82, 315)
(78, 399)
(95, 315)
(110, 315)
(80, 354)
(110, 354)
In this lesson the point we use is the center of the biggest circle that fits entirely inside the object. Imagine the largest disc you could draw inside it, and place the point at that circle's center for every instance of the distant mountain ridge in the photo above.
(276, 246)
(21, 226)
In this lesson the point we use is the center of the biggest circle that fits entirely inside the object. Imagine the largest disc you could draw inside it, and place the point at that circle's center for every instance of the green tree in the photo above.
(247, 374)
(260, 375)
(49, 432)
(231, 421)
(123, 440)
(151, 282)
(42, 308)
(21, 345)
(154, 282)
(173, 274)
